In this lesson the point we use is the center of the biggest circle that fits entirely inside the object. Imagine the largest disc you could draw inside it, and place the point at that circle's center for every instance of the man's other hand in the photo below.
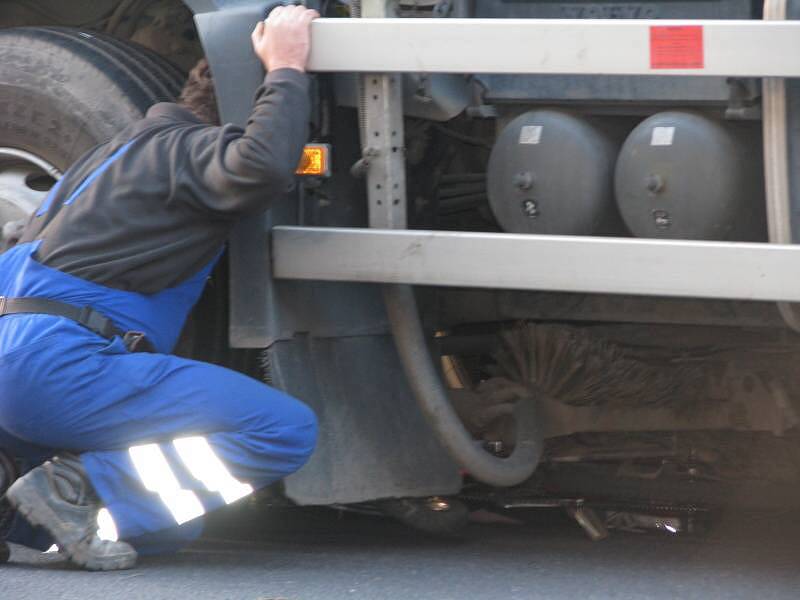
(283, 40)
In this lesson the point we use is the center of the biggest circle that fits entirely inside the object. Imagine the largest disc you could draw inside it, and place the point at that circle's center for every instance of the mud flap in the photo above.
(374, 442)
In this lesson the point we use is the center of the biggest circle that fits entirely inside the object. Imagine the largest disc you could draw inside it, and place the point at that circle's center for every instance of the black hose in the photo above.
(434, 401)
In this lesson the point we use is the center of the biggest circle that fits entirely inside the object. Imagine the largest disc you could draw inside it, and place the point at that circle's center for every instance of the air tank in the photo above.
(684, 175)
(551, 172)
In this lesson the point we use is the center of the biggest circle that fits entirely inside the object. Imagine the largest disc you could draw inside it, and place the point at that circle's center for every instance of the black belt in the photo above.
(94, 321)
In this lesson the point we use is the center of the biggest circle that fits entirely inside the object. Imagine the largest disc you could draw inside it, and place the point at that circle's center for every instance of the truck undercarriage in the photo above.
(639, 376)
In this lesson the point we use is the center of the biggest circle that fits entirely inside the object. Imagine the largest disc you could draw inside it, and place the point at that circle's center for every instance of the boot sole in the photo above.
(27, 501)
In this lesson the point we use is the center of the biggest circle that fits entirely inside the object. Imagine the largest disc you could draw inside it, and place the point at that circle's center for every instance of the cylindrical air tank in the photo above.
(684, 175)
(551, 172)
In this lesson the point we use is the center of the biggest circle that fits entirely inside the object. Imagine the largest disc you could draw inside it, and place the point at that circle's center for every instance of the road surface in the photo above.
(324, 555)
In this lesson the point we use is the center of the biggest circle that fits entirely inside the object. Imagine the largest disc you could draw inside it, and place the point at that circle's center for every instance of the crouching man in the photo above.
(111, 264)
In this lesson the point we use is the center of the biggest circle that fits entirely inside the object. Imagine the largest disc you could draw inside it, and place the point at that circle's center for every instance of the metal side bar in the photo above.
(750, 48)
(742, 271)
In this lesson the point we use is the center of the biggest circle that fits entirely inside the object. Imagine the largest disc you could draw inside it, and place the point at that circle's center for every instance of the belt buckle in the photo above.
(136, 341)
(2, 305)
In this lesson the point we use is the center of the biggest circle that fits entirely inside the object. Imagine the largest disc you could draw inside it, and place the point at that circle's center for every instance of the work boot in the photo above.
(8, 473)
(58, 497)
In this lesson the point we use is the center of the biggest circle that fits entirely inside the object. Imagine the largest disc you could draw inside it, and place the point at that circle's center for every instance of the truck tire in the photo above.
(63, 91)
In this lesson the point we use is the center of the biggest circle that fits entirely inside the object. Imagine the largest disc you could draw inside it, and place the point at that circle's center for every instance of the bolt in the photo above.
(654, 184)
(523, 181)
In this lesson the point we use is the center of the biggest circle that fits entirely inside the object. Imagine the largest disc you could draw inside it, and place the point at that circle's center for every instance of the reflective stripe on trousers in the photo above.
(153, 468)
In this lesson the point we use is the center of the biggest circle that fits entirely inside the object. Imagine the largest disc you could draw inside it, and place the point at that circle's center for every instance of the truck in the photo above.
(540, 254)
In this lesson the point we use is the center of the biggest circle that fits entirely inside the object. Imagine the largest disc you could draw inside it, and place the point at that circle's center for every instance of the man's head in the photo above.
(198, 93)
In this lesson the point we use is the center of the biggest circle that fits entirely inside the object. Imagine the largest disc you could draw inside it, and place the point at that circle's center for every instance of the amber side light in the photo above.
(315, 161)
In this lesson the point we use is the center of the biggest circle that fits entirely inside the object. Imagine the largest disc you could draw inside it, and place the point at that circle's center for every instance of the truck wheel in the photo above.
(63, 91)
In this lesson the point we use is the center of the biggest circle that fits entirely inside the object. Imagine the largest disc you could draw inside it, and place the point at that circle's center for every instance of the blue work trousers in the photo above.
(164, 439)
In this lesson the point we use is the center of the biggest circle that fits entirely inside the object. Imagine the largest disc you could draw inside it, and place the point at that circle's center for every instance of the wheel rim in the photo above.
(25, 180)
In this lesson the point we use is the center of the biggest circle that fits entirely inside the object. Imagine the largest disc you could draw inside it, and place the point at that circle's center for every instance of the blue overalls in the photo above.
(163, 439)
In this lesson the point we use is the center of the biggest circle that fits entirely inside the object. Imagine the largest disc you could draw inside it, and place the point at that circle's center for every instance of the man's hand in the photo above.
(283, 41)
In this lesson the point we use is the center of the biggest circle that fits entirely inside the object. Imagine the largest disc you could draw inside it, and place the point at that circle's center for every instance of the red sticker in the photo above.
(676, 47)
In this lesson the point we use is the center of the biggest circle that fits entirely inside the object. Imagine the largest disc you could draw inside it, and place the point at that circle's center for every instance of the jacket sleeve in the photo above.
(229, 171)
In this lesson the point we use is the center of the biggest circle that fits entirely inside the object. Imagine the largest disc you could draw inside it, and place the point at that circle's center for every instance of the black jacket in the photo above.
(157, 211)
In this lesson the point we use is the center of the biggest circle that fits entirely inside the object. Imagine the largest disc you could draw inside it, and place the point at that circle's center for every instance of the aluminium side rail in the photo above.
(741, 271)
(702, 47)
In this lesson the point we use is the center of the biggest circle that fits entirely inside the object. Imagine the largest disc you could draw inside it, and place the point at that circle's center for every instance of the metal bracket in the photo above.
(383, 138)
(385, 151)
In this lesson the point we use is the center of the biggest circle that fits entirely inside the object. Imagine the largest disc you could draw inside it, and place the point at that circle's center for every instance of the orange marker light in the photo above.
(315, 161)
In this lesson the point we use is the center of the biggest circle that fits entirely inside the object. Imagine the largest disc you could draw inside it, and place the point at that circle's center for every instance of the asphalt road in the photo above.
(312, 555)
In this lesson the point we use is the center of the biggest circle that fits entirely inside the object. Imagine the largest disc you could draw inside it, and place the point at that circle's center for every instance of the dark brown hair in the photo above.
(198, 93)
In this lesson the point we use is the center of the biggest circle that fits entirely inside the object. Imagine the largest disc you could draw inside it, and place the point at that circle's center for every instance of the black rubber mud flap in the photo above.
(237, 72)
(374, 442)
(225, 36)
